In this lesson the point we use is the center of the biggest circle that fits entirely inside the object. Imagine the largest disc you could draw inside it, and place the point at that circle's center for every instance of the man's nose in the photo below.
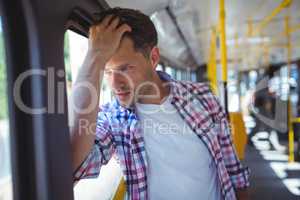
(117, 79)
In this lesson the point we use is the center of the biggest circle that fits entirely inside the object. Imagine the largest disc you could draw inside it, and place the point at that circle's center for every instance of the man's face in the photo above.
(127, 72)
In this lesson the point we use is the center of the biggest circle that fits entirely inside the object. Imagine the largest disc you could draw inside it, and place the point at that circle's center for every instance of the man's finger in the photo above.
(115, 22)
(122, 29)
(92, 31)
(105, 22)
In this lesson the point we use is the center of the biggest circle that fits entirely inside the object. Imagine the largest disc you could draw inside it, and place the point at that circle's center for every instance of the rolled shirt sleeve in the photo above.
(101, 152)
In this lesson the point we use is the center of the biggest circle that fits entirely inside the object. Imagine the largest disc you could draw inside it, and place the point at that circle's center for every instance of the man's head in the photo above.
(143, 32)
(131, 70)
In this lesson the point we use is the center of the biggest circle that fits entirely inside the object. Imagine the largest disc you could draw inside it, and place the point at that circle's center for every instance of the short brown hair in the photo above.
(143, 32)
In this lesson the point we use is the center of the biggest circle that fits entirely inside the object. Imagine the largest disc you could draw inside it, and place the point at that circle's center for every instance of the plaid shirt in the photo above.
(119, 133)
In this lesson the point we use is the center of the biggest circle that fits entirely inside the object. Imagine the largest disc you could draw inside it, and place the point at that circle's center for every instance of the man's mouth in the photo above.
(122, 94)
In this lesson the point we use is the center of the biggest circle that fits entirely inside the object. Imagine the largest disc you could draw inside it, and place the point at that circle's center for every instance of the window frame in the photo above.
(40, 144)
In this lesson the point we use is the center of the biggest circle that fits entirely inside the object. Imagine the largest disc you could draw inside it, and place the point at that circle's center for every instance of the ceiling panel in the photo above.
(202, 15)
(148, 6)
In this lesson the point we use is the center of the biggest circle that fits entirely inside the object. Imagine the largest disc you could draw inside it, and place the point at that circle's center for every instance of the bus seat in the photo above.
(120, 193)
(238, 132)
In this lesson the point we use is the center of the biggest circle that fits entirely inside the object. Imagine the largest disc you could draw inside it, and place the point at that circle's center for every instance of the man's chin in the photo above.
(125, 102)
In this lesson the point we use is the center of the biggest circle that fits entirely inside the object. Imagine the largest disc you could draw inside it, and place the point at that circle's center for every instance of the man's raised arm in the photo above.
(104, 40)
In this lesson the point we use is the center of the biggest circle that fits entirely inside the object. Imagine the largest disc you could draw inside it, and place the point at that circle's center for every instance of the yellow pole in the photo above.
(291, 30)
(296, 120)
(294, 28)
(223, 40)
(290, 121)
(250, 27)
(223, 49)
(265, 51)
(276, 11)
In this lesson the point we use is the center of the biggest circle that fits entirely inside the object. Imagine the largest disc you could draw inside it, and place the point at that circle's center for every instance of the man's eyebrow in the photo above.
(120, 66)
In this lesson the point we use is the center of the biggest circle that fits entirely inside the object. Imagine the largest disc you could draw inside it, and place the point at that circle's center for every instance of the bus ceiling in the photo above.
(253, 28)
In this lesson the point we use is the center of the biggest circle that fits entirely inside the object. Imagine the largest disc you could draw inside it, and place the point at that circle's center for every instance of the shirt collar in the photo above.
(163, 76)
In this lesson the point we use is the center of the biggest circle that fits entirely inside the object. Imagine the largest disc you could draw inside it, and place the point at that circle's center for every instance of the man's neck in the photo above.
(163, 91)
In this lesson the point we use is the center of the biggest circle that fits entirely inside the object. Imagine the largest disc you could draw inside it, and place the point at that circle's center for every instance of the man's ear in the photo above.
(154, 57)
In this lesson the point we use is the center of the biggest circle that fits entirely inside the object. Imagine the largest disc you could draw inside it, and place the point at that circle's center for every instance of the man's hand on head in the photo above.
(105, 37)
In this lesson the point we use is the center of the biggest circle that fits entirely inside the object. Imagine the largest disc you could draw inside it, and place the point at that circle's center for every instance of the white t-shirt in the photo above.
(179, 164)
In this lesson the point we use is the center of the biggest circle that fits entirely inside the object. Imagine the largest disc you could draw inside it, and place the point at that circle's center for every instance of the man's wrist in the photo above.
(97, 55)
(95, 61)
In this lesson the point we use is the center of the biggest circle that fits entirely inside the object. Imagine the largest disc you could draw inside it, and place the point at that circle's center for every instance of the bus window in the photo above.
(75, 50)
(105, 186)
(5, 165)
(193, 76)
(159, 67)
(233, 91)
(171, 71)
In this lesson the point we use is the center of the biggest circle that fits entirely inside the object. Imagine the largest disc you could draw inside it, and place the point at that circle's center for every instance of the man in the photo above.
(172, 138)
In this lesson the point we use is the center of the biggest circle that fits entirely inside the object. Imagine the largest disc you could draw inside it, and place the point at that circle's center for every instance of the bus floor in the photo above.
(272, 177)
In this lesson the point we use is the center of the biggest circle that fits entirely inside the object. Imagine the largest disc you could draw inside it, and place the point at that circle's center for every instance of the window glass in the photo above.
(169, 71)
(194, 77)
(233, 92)
(159, 67)
(5, 162)
(103, 187)
(179, 75)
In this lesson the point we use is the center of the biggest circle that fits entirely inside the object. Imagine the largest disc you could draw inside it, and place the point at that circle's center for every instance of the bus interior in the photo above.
(249, 52)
